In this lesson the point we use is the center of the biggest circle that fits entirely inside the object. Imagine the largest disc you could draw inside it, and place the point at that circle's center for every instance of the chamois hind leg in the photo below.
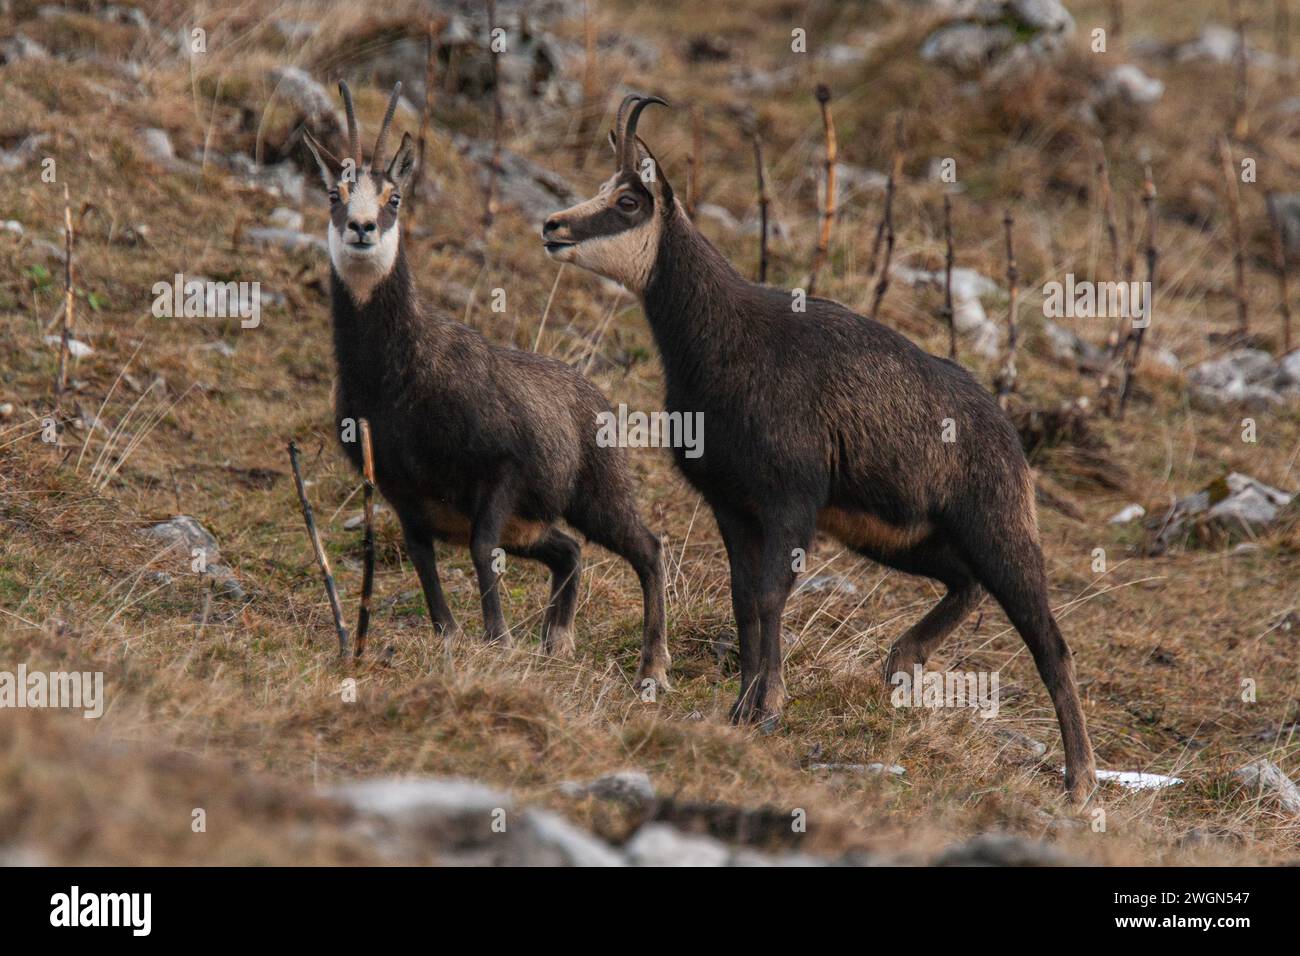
(563, 555)
(420, 547)
(938, 560)
(612, 522)
(1008, 561)
(492, 510)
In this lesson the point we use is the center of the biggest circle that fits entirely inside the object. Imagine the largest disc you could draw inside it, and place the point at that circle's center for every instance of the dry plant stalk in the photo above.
(1112, 236)
(887, 230)
(762, 204)
(1241, 89)
(1133, 344)
(582, 134)
(1279, 261)
(321, 559)
(949, 260)
(426, 114)
(1007, 375)
(368, 499)
(693, 164)
(69, 297)
(823, 94)
(489, 198)
(1238, 253)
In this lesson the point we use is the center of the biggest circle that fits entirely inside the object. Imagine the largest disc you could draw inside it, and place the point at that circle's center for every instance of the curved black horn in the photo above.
(628, 143)
(381, 142)
(354, 141)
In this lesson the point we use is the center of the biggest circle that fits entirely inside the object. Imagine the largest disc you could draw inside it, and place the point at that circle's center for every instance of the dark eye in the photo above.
(334, 196)
(395, 201)
(628, 203)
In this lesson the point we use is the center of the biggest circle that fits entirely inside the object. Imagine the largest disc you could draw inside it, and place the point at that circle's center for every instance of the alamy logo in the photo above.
(1085, 299)
(932, 689)
(207, 299)
(76, 690)
(651, 430)
(103, 909)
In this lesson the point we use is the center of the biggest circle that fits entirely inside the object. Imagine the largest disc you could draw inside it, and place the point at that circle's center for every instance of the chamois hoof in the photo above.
(902, 659)
(650, 681)
(558, 642)
(1080, 791)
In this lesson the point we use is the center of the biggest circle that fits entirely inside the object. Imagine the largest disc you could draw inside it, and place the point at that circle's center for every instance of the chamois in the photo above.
(474, 444)
(823, 420)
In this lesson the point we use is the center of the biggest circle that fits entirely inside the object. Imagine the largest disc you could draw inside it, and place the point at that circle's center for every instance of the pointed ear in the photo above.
(330, 168)
(652, 174)
(403, 164)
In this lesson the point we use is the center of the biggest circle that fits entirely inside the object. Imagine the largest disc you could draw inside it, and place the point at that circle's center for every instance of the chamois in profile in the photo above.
(824, 420)
(473, 444)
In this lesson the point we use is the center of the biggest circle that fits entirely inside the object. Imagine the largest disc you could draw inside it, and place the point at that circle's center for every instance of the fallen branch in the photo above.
(321, 559)
(368, 573)
(823, 94)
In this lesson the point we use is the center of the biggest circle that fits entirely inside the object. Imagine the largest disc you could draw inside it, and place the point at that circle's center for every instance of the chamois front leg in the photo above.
(782, 535)
(494, 509)
(419, 545)
(742, 542)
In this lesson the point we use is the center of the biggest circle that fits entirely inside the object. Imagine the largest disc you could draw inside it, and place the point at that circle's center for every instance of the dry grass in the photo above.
(1162, 643)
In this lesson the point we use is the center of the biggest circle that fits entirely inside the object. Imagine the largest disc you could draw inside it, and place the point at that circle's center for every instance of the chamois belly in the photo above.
(452, 526)
(870, 533)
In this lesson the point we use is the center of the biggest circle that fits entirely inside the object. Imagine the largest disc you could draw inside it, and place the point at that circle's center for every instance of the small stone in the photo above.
(626, 786)
(157, 145)
(1265, 777)
(76, 348)
(1127, 514)
(658, 844)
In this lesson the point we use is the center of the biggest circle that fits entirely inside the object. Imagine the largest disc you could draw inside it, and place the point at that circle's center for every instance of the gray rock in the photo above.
(542, 838)
(420, 801)
(12, 226)
(1002, 34)
(183, 534)
(1129, 84)
(1128, 514)
(1235, 504)
(969, 317)
(157, 145)
(1248, 377)
(307, 96)
(1067, 346)
(1265, 777)
(76, 348)
(826, 582)
(626, 786)
(1001, 849)
(865, 769)
(658, 844)
(284, 218)
(21, 47)
(967, 47)
(28, 149)
(535, 191)
(290, 240)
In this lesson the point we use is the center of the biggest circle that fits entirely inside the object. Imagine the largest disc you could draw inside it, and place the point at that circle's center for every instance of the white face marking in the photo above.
(626, 257)
(362, 267)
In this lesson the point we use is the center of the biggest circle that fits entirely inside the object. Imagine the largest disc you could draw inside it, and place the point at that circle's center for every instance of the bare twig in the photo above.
(1238, 252)
(1133, 345)
(1279, 261)
(489, 198)
(582, 134)
(762, 204)
(1007, 376)
(823, 94)
(1112, 235)
(321, 559)
(693, 160)
(1241, 88)
(426, 114)
(887, 227)
(950, 260)
(368, 571)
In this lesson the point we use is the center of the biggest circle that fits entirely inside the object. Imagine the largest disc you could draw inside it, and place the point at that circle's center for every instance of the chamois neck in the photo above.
(693, 301)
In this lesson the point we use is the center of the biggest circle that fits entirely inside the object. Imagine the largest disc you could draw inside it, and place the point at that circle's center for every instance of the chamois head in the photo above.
(363, 232)
(616, 232)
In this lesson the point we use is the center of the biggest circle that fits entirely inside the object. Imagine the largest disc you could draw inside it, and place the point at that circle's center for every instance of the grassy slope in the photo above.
(255, 687)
